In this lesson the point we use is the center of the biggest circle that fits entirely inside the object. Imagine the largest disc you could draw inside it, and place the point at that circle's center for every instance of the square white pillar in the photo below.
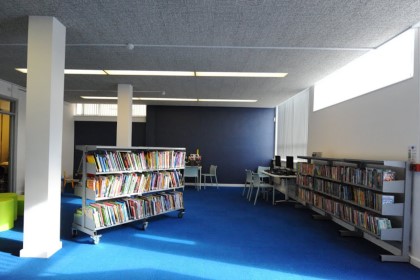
(415, 225)
(125, 115)
(44, 128)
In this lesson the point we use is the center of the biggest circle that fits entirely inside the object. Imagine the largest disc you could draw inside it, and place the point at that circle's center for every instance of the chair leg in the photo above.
(197, 185)
(256, 195)
(243, 191)
(250, 192)
(274, 195)
(217, 183)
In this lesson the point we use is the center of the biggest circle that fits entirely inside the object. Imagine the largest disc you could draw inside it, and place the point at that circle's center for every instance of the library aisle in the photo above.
(221, 236)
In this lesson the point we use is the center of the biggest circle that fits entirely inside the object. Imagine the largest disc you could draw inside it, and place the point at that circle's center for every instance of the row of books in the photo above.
(153, 205)
(328, 187)
(306, 181)
(362, 219)
(116, 161)
(363, 197)
(305, 168)
(366, 198)
(119, 211)
(369, 177)
(108, 186)
(305, 195)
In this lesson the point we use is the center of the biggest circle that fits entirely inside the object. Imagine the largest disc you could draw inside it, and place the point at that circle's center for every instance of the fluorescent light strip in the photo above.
(227, 100)
(241, 74)
(164, 99)
(150, 73)
(167, 73)
(72, 71)
(100, 97)
(84, 72)
(168, 99)
(139, 98)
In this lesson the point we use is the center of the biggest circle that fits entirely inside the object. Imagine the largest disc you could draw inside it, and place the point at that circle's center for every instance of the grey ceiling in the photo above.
(306, 38)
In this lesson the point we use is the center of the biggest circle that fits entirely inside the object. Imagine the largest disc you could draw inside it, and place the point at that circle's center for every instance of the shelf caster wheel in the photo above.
(145, 225)
(74, 232)
(181, 214)
(96, 239)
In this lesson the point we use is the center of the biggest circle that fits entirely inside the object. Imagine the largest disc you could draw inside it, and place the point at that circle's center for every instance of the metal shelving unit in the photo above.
(84, 222)
(396, 239)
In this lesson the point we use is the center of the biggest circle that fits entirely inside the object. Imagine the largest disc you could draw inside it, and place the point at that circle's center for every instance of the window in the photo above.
(390, 63)
(82, 109)
(292, 126)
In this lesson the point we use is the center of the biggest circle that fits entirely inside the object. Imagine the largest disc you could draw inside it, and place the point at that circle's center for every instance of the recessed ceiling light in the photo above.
(149, 73)
(227, 100)
(241, 74)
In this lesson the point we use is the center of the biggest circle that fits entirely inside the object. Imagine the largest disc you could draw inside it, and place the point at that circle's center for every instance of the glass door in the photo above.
(6, 134)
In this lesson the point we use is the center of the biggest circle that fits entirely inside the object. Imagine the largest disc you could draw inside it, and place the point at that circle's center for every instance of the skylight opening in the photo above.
(391, 63)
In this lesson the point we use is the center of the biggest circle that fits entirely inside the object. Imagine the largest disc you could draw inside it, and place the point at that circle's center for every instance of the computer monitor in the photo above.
(278, 161)
(272, 165)
(289, 162)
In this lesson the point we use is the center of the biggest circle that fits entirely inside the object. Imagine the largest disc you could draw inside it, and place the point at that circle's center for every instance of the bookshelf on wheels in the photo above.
(121, 185)
(371, 199)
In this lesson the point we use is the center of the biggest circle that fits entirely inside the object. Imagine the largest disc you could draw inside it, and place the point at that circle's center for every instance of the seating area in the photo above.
(194, 172)
(202, 179)
(260, 182)
(212, 174)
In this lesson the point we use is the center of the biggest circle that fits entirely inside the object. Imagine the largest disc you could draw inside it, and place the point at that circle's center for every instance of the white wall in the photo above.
(380, 126)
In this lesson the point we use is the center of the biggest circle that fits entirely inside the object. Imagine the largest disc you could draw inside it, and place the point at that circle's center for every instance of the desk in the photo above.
(279, 187)
(193, 172)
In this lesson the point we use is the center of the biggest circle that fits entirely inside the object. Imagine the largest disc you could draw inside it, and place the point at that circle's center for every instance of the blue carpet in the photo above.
(221, 236)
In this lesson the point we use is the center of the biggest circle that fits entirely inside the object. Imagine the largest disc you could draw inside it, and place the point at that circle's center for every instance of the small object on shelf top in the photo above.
(193, 160)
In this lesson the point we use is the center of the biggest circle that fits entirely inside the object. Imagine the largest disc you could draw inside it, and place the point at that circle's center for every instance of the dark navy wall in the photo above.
(104, 134)
(234, 139)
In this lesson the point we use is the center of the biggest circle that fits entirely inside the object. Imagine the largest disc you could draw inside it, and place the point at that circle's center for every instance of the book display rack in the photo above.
(371, 199)
(123, 185)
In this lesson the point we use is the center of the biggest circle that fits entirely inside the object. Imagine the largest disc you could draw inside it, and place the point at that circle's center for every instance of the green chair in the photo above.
(14, 196)
(7, 213)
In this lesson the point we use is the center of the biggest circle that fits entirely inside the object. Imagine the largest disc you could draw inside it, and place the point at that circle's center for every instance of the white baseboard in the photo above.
(415, 261)
(40, 252)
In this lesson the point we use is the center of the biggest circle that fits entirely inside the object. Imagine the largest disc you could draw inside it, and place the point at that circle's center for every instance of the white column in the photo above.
(19, 94)
(415, 226)
(44, 128)
(125, 115)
